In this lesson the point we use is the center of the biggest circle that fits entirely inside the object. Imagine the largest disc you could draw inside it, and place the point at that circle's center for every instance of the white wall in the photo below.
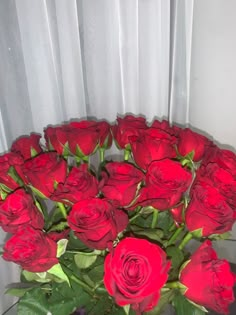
(213, 78)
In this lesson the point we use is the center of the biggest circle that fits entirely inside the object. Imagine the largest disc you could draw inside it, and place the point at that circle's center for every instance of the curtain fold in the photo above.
(90, 58)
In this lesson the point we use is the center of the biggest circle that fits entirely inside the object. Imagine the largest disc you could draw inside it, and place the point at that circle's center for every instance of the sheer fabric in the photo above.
(65, 59)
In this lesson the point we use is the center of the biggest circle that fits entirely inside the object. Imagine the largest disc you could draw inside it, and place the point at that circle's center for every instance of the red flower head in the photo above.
(209, 280)
(135, 273)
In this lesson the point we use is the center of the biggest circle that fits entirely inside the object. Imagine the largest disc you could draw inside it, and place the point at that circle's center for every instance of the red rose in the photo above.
(165, 125)
(27, 146)
(135, 273)
(166, 181)
(80, 138)
(209, 280)
(122, 182)
(7, 161)
(126, 127)
(57, 139)
(32, 249)
(104, 134)
(192, 141)
(208, 210)
(44, 171)
(79, 184)
(221, 179)
(96, 222)
(18, 210)
(152, 144)
(224, 158)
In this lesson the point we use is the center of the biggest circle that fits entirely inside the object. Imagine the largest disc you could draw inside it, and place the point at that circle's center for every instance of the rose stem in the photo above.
(101, 154)
(85, 286)
(154, 218)
(185, 240)
(126, 155)
(62, 208)
(173, 285)
(175, 236)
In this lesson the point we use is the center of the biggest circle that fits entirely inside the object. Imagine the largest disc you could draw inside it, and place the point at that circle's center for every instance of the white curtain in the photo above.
(63, 59)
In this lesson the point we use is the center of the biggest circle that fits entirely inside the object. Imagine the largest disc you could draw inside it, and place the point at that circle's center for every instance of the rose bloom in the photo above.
(208, 210)
(44, 171)
(165, 125)
(135, 273)
(24, 146)
(79, 184)
(96, 222)
(126, 127)
(220, 178)
(209, 280)
(121, 183)
(79, 138)
(32, 249)
(224, 158)
(166, 181)
(152, 144)
(18, 210)
(192, 141)
(7, 161)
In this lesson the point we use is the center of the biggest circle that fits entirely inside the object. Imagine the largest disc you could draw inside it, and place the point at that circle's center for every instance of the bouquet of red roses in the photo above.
(109, 236)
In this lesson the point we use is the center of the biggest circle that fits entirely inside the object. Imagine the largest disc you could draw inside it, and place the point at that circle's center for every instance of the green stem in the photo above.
(102, 154)
(173, 285)
(154, 218)
(126, 155)
(134, 217)
(84, 285)
(173, 227)
(175, 236)
(63, 209)
(185, 240)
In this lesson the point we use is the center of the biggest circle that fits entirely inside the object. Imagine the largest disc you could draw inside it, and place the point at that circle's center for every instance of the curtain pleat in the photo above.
(63, 59)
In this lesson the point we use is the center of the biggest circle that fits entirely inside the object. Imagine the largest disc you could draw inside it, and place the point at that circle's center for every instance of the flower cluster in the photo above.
(109, 237)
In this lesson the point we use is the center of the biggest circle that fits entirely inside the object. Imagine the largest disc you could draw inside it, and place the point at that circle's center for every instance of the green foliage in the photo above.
(85, 260)
(183, 306)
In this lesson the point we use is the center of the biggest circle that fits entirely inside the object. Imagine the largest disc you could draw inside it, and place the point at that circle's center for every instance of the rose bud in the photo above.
(126, 127)
(192, 141)
(27, 147)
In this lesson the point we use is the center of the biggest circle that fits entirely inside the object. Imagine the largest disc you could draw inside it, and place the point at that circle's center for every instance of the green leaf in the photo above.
(165, 221)
(33, 152)
(14, 175)
(166, 297)
(33, 276)
(61, 247)
(176, 255)
(223, 236)
(197, 233)
(152, 234)
(37, 192)
(5, 189)
(85, 260)
(19, 292)
(183, 306)
(33, 302)
(126, 309)
(57, 271)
